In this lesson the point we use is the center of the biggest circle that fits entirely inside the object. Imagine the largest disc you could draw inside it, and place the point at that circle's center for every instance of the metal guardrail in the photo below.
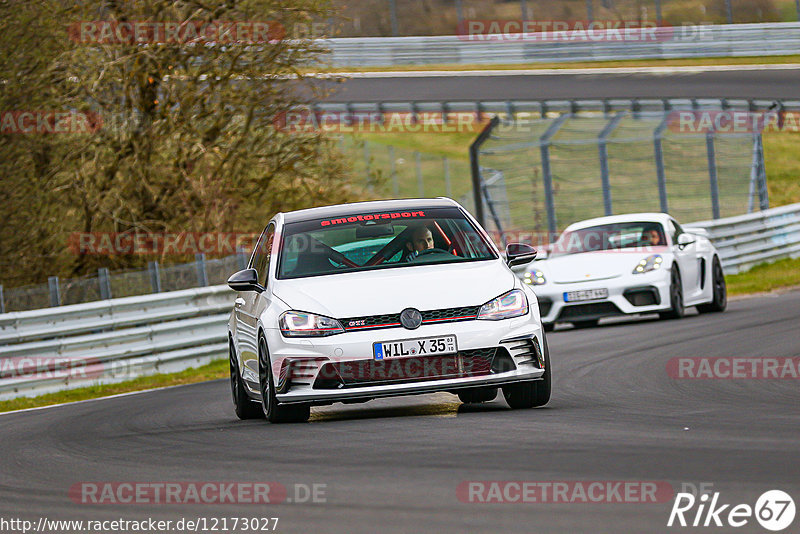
(760, 237)
(111, 341)
(730, 40)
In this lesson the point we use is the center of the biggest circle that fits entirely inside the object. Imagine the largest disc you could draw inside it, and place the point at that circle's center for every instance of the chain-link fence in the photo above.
(560, 168)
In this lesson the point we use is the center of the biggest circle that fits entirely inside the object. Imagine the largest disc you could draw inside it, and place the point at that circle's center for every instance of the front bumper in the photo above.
(627, 295)
(302, 366)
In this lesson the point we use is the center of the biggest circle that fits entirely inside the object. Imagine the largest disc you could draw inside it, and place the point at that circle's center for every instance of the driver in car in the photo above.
(421, 239)
(652, 237)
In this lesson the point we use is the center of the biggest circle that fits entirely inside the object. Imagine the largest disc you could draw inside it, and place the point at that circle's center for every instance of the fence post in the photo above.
(459, 12)
(602, 148)
(418, 165)
(2, 300)
(393, 172)
(155, 276)
(658, 135)
(763, 193)
(729, 11)
(446, 164)
(393, 17)
(547, 176)
(475, 168)
(659, 18)
(797, 8)
(366, 163)
(523, 8)
(242, 258)
(104, 281)
(589, 10)
(712, 174)
(202, 274)
(55, 293)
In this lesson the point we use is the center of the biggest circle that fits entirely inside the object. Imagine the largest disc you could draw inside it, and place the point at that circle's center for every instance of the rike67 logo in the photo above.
(774, 510)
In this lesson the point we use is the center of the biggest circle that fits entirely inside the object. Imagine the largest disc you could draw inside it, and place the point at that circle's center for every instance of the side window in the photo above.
(262, 254)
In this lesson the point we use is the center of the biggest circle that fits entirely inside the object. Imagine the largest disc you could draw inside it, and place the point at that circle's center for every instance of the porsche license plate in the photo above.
(430, 346)
(585, 294)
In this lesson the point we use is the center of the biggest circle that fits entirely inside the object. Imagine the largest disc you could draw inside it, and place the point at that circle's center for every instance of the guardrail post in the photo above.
(55, 293)
(547, 176)
(104, 281)
(155, 276)
(202, 275)
(712, 174)
(393, 172)
(658, 135)
(2, 300)
(446, 166)
(602, 149)
(418, 166)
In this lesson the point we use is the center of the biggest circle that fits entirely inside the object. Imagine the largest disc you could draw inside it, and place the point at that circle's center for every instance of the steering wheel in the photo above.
(432, 251)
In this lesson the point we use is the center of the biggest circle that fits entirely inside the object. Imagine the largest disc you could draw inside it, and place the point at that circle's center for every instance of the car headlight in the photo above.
(512, 304)
(301, 324)
(534, 277)
(650, 263)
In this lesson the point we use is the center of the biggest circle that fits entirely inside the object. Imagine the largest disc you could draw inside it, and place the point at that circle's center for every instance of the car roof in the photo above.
(340, 210)
(628, 217)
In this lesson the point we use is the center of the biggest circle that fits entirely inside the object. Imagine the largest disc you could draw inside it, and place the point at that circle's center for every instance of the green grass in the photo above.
(765, 277)
(211, 371)
(783, 167)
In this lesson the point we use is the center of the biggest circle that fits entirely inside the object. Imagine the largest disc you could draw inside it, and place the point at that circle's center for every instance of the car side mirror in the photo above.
(685, 240)
(519, 253)
(246, 280)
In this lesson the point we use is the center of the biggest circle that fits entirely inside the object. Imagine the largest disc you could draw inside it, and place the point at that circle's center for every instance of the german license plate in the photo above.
(429, 346)
(585, 294)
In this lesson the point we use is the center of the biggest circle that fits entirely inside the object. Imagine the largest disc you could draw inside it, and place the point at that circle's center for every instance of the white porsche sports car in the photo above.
(352, 302)
(626, 264)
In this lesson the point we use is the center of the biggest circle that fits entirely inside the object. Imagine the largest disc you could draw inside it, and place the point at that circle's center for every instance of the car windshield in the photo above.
(380, 240)
(610, 237)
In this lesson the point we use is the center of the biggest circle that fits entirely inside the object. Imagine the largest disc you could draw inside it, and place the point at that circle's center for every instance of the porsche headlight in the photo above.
(534, 277)
(301, 324)
(512, 304)
(650, 263)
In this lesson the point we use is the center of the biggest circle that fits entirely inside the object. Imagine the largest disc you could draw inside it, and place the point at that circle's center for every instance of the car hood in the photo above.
(424, 287)
(589, 266)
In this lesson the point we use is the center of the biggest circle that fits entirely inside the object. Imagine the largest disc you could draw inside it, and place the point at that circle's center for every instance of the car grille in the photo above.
(335, 375)
(392, 320)
(594, 310)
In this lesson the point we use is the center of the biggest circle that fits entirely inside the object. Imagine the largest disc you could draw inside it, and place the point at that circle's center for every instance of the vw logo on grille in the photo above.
(410, 318)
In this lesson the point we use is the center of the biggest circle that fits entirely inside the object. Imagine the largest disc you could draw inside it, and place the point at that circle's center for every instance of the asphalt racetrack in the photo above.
(394, 465)
(746, 82)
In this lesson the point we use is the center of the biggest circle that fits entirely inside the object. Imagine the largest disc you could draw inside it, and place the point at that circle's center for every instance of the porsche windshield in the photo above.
(610, 237)
(379, 240)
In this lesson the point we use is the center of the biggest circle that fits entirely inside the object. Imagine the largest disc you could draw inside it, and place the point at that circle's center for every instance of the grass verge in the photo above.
(211, 371)
(765, 277)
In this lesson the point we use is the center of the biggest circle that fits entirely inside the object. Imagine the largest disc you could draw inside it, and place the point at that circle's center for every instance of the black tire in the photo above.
(677, 309)
(586, 324)
(477, 395)
(243, 405)
(274, 412)
(548, 327)
(720, 301)
(530, 394)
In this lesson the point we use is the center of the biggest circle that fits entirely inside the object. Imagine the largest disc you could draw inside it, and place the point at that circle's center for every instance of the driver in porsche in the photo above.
(421, 239)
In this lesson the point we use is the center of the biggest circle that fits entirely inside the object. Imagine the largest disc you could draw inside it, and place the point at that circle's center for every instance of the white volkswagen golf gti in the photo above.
(626, 264)
(353, 302)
